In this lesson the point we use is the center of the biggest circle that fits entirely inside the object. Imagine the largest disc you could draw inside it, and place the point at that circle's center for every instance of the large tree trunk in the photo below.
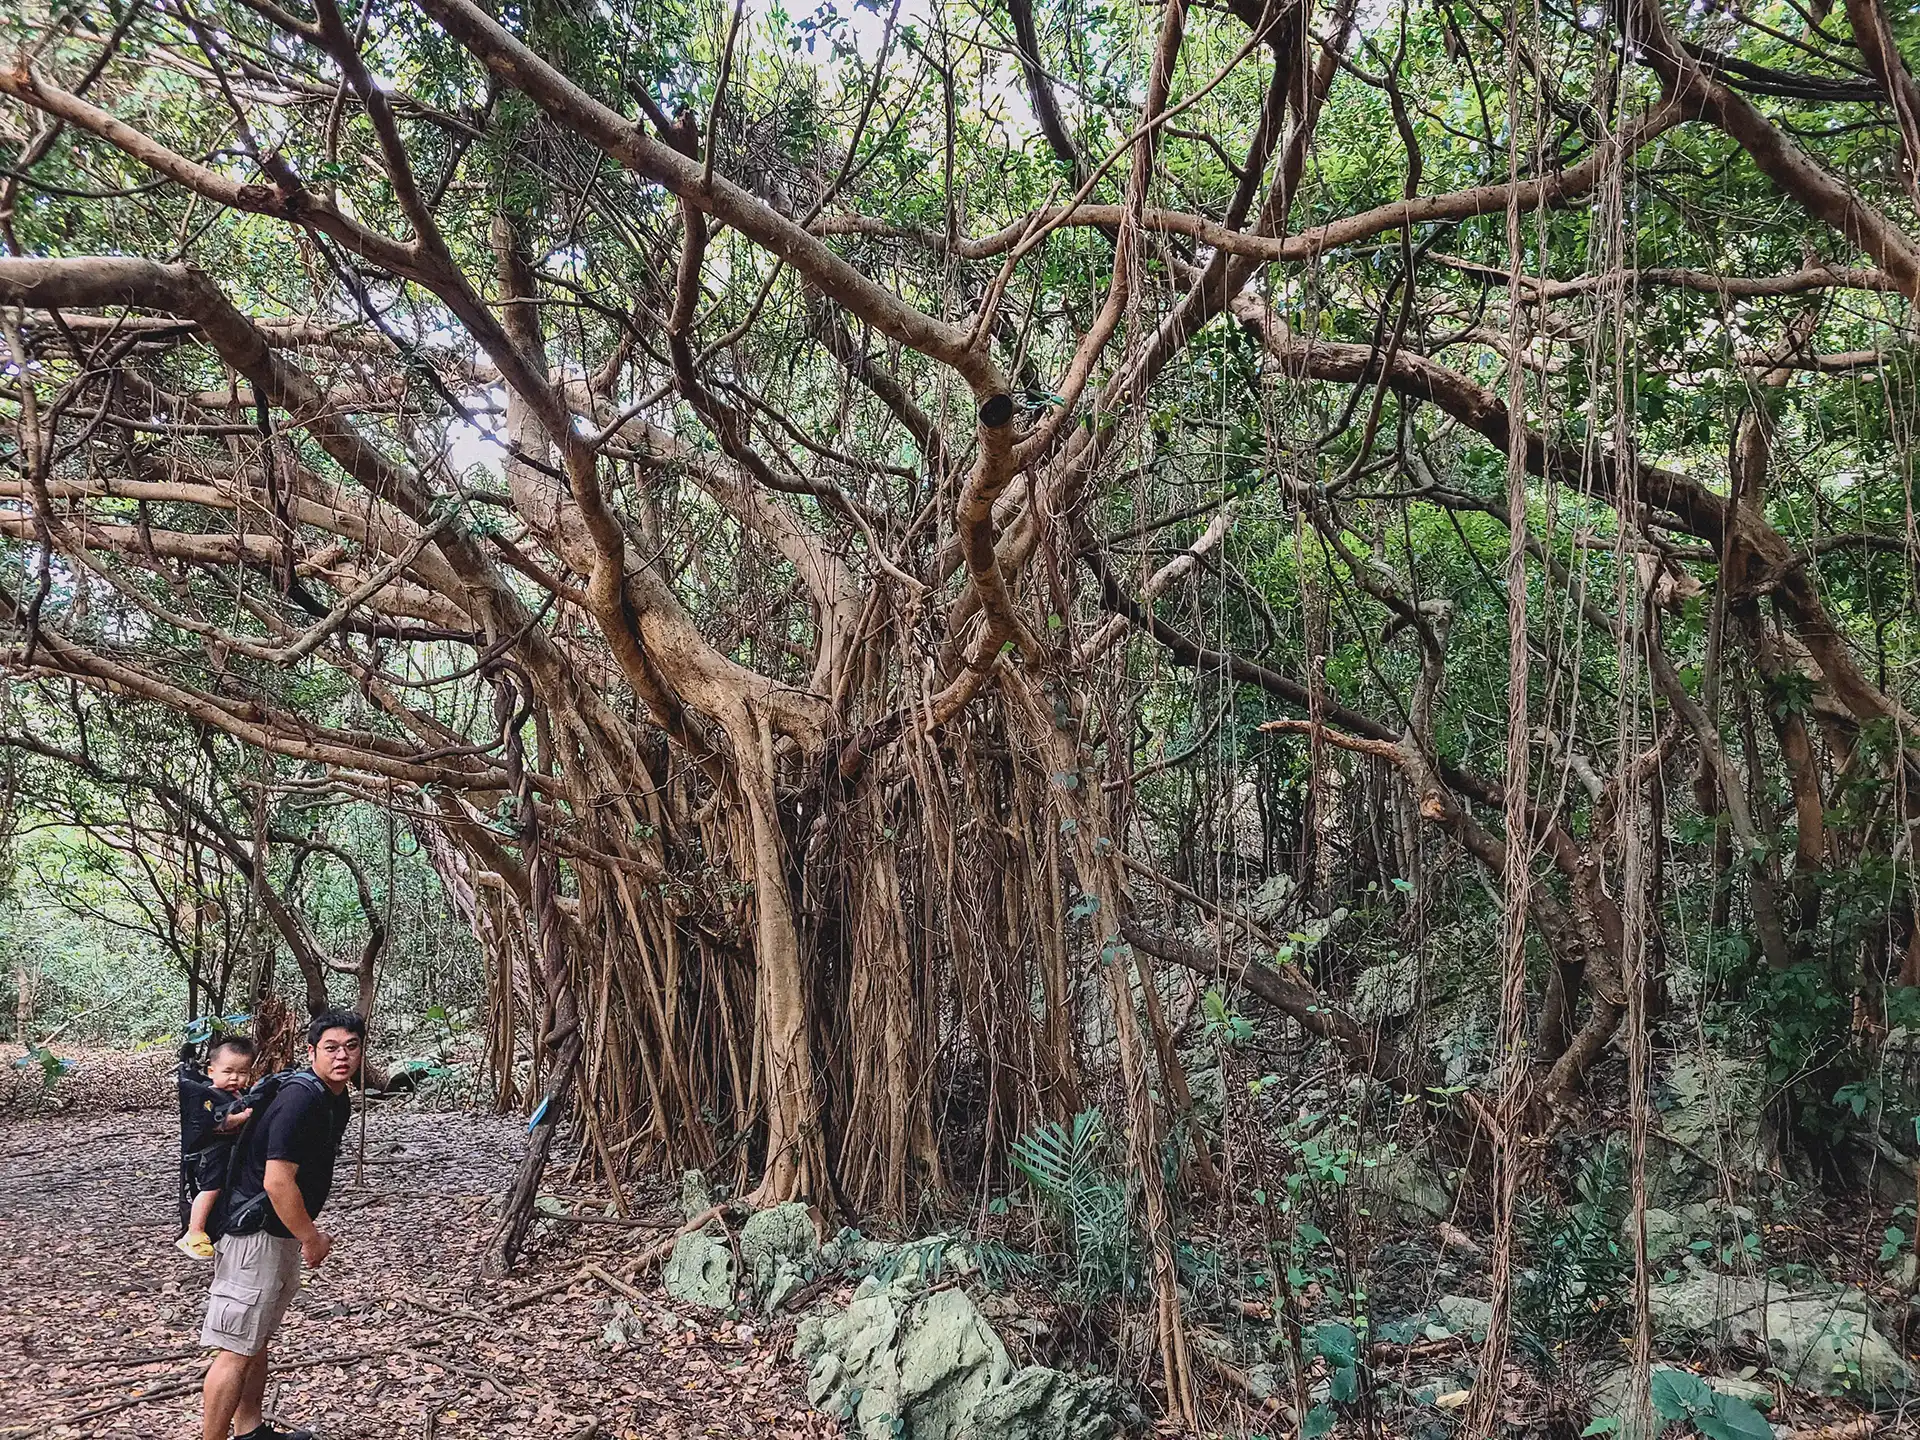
(796, 1165)
(564, 1040)
(889, 1156)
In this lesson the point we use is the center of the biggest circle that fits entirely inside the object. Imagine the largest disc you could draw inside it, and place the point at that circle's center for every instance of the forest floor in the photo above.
(400, 1334)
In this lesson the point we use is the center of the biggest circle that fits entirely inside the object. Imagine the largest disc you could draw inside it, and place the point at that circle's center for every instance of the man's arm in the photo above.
(283, 1189)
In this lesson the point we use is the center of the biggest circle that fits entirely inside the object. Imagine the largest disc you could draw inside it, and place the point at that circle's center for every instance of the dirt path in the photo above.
(398, 1335)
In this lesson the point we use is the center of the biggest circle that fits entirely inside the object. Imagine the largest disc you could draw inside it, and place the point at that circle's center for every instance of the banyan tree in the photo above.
(789, 514)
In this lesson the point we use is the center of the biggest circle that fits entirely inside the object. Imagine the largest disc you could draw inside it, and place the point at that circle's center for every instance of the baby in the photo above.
(209, 1124)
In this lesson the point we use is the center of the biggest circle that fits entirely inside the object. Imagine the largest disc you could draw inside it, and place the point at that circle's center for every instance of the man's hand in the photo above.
(315, 1248)
(233, 1120)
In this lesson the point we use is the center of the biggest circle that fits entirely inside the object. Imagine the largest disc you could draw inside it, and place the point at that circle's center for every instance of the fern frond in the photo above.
(1059, 1161)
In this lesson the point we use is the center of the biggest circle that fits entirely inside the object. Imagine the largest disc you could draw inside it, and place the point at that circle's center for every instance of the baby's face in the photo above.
(230, 1070)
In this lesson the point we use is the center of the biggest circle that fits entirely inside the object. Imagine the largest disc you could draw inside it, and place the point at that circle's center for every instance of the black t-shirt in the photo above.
(303, 1124)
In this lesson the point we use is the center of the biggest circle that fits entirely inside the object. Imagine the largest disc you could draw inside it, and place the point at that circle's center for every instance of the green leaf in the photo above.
(1601, 1425)
(1733, 1419)
(1318, 1422)
(1680, 1395)
(1335, 1342)
(1058, 1161)
(1344, 1385)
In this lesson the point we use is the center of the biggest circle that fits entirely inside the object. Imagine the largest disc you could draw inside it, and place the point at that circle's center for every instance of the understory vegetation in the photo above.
(1257, 661)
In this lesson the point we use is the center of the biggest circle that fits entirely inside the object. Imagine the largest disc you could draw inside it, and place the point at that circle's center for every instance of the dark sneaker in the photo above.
(267, 1430)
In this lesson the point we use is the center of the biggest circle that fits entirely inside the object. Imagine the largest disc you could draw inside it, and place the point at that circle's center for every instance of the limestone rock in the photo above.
(1670, 1231)
(1448, 1386)
(1756, 1393)
(850, 1250)
(1386, 992)
(785, 1282)
(1711, 1104)
(1043, 1404)
(905, 1362)
(700, 1270)
(696, 1195)
(1466, 1315)
(935, 1258)
(1274, 899)
(778, 1231)
(1268, 1380)
(778, 1249)
(1891, 1174)
(1412, 1185)
(932, 1258)
(1823, 1341)
(901, 1361)
(1206, 1081)
(1667, 1232)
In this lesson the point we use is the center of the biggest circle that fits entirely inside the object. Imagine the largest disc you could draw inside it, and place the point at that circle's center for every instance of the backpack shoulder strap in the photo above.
(271, 1088)
(262, 1092)
(305, 1079)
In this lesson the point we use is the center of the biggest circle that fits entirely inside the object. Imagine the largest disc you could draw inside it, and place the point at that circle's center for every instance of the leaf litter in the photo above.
(401, 1333)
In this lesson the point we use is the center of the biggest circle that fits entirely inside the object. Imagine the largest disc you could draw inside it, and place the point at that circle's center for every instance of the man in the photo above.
(285, 1174)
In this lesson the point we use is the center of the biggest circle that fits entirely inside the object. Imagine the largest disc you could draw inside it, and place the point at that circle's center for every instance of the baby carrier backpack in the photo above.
(250, 1215)
(201, 1106)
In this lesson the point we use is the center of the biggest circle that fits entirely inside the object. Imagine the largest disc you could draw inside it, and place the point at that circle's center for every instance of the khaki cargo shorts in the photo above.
(255, 1278)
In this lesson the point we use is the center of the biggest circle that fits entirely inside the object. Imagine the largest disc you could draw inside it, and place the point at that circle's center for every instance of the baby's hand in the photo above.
(233, 1120)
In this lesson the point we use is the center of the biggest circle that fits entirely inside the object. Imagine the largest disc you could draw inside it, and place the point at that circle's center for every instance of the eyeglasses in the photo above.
(338, 1047)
